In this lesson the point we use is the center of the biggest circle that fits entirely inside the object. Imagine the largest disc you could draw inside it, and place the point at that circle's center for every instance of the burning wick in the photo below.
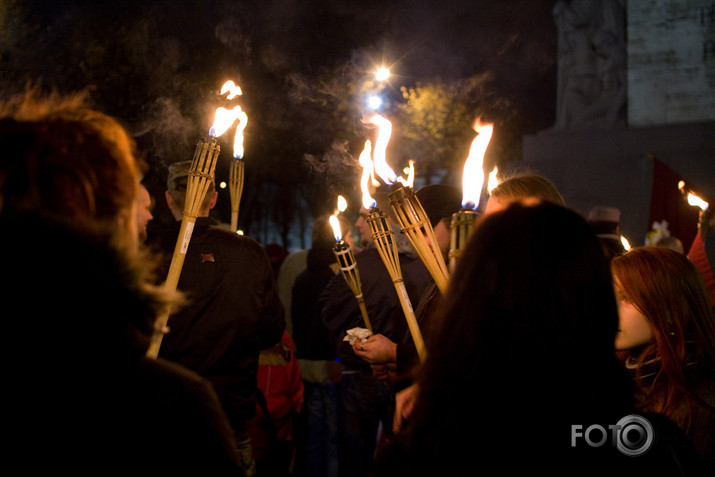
(201, 175)
(472, 183)
(346, 261)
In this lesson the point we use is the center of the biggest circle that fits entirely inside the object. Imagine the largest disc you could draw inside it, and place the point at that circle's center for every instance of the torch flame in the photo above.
(697, 201)
(232, 89)
(625, 243)
(693, 199)
(410, 171)
(333, 219)
(473, 175)
(335, 224)
(379, 155)
(492, 181)
(367, 173)
(342, 204)
(238, 139)
(223, 120)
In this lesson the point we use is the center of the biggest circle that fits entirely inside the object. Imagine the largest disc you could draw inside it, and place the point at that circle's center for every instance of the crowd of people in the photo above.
(549, 353)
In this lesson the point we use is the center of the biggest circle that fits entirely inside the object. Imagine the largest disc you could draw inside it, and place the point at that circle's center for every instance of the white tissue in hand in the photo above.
(361, 334)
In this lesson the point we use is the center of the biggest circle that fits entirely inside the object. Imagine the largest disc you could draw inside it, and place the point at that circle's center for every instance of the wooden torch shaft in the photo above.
(172, 278)
(411, 319)
(363, 311)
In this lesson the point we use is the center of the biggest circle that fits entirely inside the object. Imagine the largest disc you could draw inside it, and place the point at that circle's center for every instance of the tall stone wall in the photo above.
(671, 61)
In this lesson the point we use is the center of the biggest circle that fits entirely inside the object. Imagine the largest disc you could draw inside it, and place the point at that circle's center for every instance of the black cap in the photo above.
(439, 201)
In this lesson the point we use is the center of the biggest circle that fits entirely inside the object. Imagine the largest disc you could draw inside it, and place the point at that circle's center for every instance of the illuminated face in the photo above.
(443, 235)
(143, 211)
(363, 226)
(633, 327)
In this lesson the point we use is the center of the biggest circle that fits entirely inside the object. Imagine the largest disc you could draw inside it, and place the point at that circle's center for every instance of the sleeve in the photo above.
(339, 308)
(273, 320)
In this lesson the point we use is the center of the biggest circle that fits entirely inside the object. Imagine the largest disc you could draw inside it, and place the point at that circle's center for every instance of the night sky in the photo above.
(157, 65)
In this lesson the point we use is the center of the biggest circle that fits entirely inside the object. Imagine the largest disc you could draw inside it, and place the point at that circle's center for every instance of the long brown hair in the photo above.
(669, 291)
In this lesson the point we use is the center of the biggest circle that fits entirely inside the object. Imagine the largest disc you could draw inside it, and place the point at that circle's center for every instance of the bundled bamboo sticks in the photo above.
(236, 190)
(387, 248)
(201, 175)
(460, 227)
(418, 229)
(348, 267)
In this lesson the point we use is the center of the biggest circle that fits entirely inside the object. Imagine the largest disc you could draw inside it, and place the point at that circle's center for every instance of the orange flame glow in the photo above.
(473, 175)
(223, 120)
(232, 89)
(333, 219)
(238, 139)
(367, 176)
(693, 199)
(410, 171)
(335, 224)
(492, 181)
(379, 154)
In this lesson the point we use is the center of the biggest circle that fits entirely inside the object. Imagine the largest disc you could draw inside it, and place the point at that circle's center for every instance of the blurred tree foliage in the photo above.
(305, 67)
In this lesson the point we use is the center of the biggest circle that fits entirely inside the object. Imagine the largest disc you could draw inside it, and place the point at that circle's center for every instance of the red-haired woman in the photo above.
(667, 329)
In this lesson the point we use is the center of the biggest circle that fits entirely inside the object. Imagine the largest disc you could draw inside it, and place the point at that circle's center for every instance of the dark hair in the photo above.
(669, 291)
(525, 346)
(84, 296)
(62, 158)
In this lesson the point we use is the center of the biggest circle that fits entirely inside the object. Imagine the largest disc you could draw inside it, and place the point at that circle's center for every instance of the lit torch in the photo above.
(704, 206)
(236, 170)
(472, 183)
(408, 210)
(201, 175)
(385, 243)
(346, 261)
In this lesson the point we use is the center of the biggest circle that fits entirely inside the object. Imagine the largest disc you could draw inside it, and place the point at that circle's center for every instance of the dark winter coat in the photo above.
(233, 313)
(80, 397)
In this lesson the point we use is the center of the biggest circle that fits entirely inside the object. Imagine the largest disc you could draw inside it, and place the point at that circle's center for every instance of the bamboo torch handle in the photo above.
(363, 311)
(172, 281)
(234, 220)
(411, 319)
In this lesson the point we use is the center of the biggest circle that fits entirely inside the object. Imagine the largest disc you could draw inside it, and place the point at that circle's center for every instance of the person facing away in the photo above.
(667, 329)
(233, 310)
(523, 184)
(365, 399)
(520, 185)
(523, 353)
(316, 350)
(81, 397)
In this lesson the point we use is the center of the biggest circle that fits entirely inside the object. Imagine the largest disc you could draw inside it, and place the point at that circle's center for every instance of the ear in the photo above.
(169, 200)
(213, 200)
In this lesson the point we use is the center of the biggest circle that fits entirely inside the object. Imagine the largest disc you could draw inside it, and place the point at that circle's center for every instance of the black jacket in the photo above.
(340, 310)
(233, 313)
(79, 396)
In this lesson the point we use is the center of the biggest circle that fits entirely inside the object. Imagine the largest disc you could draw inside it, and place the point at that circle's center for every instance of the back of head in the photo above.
(532, 279)
(66, 160)
(526, 339)
(524, 185)
(322, 235)
(177, 182)
(439, 201)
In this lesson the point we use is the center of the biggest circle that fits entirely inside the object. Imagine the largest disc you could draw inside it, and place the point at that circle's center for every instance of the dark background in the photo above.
(304, 68)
